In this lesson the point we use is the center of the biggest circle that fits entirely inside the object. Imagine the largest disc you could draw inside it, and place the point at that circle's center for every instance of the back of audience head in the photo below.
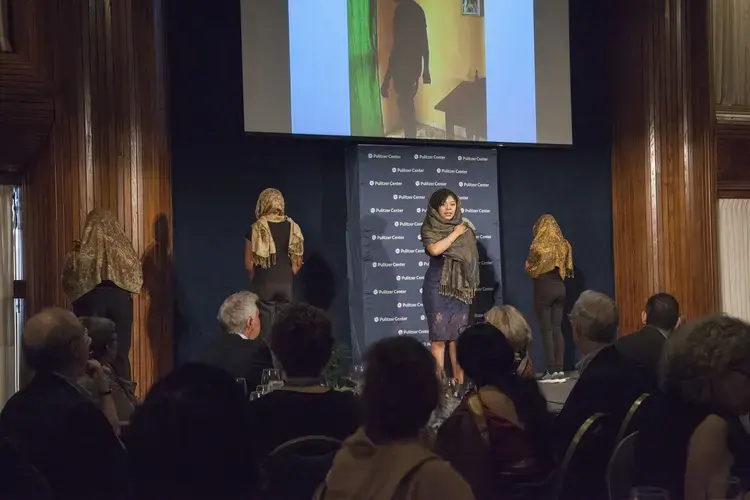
(103, 333)
(512, 324)
(239, 314)
(189, 438)
(487, 358)
(302, 341)
(707, 362)
(662, 311)
(54, 340)
(594, 319)
(401, 389)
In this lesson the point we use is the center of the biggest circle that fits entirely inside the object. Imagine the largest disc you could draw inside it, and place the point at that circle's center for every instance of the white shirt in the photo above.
(241, 335)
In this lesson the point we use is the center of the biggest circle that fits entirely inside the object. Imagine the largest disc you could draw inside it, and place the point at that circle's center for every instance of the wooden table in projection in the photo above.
(466, 106)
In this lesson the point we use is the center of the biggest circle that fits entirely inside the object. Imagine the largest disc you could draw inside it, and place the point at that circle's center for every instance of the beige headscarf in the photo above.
(104, 254)
(270, 208)
(549, 250)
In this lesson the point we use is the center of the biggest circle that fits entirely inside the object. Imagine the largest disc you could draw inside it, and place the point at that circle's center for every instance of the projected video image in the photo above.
(470, 70)
(426, 78)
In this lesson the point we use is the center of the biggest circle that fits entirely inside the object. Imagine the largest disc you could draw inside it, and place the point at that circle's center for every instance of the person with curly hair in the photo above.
(705, 379)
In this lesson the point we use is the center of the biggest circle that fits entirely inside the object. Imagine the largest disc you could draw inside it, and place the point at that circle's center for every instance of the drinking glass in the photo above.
(255, 395)
(725, 489)
(262, 389)
(269, 376)
(648, 493)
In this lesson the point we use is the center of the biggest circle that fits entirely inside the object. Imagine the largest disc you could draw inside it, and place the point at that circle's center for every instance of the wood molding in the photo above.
(663, 157)
(108, 149)
(27, 104)
(733, 160)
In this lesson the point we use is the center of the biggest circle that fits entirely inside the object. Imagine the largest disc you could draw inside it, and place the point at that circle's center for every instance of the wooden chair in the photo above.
(583, 469)
(638, 407)
(297, 467)
(620, 468)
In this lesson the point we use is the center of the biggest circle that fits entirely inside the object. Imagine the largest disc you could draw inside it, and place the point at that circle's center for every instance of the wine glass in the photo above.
(255, 395)
(271, 379)
(648, 493)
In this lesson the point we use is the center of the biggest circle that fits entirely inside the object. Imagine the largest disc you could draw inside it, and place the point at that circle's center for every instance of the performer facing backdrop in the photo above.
(274, 246)
(452, 277)
(550, 261)
(98, 277)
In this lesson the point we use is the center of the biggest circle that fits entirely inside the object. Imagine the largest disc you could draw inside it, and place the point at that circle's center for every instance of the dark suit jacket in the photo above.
(609, 384)
(643, 347)
(67, 438)
(243, 358)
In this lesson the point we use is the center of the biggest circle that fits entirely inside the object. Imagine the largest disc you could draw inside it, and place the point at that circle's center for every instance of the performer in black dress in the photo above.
(273, 255)
(452, 277)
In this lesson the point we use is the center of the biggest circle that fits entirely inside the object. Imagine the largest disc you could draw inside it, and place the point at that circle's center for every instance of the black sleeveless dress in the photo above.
(275, 283)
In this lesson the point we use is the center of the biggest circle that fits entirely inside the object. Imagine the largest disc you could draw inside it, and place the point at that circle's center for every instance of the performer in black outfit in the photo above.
(550, 261)
(273, 255)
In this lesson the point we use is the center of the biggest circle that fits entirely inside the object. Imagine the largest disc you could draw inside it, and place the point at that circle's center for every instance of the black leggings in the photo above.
(111, 302)
(549, 297)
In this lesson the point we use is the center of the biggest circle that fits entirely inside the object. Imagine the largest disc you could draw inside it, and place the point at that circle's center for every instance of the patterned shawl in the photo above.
(104, 254)
(460, 273)
(270, 208)
(549, 250)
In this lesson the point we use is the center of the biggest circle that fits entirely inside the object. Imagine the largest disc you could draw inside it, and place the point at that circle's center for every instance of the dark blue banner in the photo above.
(389, 188)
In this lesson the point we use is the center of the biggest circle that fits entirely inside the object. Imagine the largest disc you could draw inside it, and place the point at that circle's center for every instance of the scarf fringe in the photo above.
(463, 296)
(264, 262)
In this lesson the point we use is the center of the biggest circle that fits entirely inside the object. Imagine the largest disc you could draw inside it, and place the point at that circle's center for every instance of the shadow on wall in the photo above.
(157, 270)
(317, 284)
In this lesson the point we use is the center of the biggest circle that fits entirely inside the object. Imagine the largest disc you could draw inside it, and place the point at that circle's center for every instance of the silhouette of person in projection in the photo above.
(409, 59)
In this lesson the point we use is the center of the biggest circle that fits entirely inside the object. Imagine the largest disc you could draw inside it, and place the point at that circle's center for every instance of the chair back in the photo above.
(630, 422)
(583, 469)
(297, 467)
(620, 468)
(19, 479)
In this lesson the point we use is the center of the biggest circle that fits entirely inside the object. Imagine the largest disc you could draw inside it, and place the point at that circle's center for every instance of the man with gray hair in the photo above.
(608, 382)
(54, 421)
(237, 349)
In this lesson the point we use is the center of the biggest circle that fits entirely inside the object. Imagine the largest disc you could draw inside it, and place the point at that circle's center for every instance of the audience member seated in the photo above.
(237, 349)
(511, 322)
(706, 383)
(302, 344)
(190, 438)
(500, 435)
(608, 382)
(53, 420)
(662, 315)
(103, 333)
(388, 458)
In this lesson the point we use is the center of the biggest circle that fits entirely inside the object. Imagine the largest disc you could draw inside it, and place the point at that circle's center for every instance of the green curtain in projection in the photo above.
(364, 85)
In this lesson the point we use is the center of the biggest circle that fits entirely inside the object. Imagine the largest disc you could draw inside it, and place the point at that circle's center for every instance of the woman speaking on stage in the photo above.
(452, 277)
(274, 247)
(550, 261)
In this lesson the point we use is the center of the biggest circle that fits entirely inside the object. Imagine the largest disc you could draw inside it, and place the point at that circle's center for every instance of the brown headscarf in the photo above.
(549, 250)
(104, 254)
(460, 273)
(270, 208)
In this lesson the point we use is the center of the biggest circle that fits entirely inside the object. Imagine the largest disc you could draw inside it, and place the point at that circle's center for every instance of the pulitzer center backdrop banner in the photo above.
(388, 191)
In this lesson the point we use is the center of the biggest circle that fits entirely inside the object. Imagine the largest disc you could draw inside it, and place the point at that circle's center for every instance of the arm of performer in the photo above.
(104, 394)
(296, 267)
(249, 259)
(437, 248)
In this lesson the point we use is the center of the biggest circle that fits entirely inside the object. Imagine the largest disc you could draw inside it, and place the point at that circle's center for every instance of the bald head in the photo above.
(49, 340)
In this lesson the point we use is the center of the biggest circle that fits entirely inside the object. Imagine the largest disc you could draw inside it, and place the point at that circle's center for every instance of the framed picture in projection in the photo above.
(471, 7)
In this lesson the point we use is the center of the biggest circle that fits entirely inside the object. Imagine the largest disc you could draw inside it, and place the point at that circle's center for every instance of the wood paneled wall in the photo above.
(663, 157)
(108, 149)
(733, 158)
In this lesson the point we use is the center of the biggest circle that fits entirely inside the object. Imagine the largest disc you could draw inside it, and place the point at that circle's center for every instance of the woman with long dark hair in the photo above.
(99, 276)
(452, 277)
(502, 429)
(550, 261)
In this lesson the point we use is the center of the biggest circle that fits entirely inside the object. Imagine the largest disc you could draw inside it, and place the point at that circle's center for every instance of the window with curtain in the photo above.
(730, 37)
(734, 257)
(364, 78)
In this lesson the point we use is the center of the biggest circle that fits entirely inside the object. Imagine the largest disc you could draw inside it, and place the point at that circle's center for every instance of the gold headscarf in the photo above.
(104, 254)
(270, 208)
(549, 250)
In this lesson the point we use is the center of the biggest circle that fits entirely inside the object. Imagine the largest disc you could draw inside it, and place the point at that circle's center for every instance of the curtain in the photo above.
(5, 45)
(730, 32)
(734, 257)
(364, 78)
(7, 320)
